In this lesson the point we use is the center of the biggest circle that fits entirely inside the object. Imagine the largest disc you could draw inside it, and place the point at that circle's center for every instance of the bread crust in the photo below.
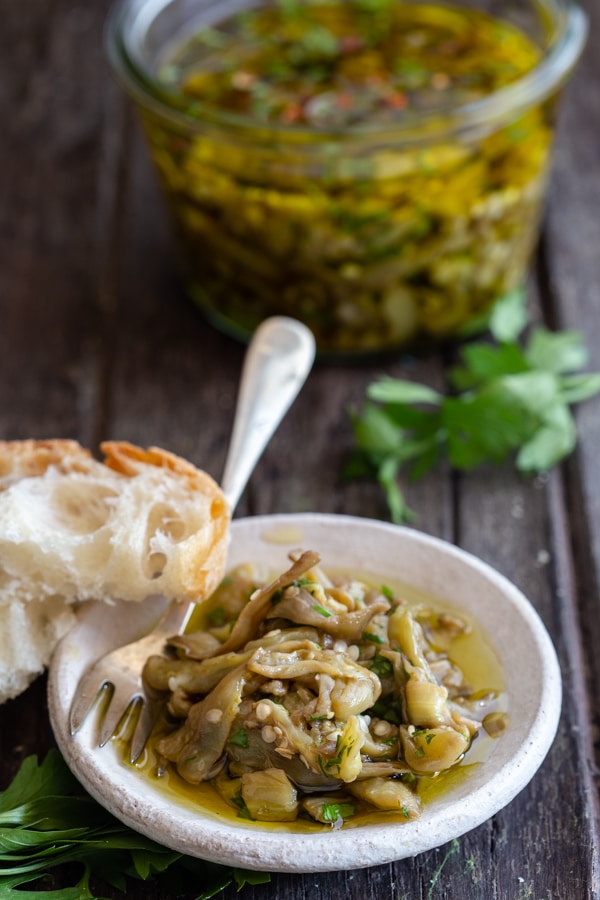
(127, 459)
(72, 528)
(30, 458)
(202, 564)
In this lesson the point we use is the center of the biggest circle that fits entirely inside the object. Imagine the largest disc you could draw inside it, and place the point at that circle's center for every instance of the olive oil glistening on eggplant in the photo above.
(449, 643)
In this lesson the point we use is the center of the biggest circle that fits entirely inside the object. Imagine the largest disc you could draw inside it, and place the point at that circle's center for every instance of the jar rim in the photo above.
(530, 89)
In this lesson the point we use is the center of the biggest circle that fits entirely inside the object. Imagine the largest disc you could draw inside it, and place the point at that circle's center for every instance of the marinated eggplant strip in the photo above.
(253, 613)
(310, 687)
(200, 742)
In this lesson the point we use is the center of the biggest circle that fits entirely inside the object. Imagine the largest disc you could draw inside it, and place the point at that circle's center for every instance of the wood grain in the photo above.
(97, 340)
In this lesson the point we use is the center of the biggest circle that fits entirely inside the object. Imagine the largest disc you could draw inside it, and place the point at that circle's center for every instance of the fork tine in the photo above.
(142, 729)
(88, 694)
(120, 709)
(114, 685)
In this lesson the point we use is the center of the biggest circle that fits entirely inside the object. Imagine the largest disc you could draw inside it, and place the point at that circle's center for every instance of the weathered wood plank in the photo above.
(97, 340)
(49, 161)
(573, 238)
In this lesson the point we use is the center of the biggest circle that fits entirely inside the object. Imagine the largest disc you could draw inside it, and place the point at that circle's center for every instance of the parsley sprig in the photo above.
(47, 822)
(510, 397)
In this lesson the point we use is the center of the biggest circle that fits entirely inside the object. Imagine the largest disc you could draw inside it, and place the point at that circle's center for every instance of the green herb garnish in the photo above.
(277, 596)
(373, 638)
(240, 803)
(239, 738)
(342, 748)
(387, 708)
(333, 812)
(216, 617)
(322, 611)
(381, 666)
(47, 821)
(509, 397)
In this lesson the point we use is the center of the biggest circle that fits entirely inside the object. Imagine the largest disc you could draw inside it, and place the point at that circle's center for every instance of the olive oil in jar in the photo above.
(338, 170)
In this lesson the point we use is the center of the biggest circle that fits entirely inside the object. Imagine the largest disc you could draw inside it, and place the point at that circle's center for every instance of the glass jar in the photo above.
(380, 235)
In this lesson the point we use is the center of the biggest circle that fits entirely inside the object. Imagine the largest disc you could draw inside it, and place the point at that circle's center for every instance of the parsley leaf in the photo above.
(332, 812)
(509, 398)
(239, 738)
(48, 821)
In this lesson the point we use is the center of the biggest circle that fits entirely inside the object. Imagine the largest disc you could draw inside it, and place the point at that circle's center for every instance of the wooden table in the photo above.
(98, 341)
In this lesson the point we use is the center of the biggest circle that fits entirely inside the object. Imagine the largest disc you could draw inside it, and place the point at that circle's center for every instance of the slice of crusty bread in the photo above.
(72, 528)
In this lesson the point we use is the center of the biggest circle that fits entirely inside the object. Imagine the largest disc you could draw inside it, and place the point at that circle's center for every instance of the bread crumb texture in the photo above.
(73, 529)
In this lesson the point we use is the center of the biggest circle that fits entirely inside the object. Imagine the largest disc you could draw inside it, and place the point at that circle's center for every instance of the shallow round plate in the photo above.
(390, 553)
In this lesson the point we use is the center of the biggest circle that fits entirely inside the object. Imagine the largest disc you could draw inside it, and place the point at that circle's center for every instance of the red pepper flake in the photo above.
(396, 100)
(350, 43)
(293, 112)
(345, 100)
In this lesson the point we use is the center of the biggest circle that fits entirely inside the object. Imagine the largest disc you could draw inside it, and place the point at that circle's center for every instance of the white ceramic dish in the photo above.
(512, 627)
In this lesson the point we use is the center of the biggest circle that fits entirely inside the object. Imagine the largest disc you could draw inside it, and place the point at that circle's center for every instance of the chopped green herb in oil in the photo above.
(373, 243)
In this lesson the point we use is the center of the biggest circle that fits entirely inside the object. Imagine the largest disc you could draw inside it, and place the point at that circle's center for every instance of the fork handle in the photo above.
(276, 365)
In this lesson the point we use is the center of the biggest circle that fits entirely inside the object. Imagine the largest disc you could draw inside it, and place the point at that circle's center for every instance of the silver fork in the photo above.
(277, 362)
